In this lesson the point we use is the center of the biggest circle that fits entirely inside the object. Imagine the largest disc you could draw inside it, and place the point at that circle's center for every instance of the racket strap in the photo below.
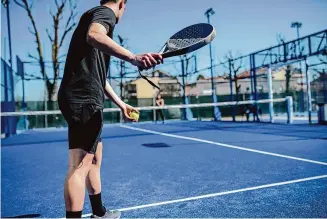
(150, 82)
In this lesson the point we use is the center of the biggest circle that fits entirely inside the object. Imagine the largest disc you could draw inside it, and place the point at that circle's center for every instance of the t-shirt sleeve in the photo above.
(104, 17)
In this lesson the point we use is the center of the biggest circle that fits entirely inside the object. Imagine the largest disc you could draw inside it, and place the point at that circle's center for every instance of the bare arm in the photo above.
(97, 37)
(125, 108)
(110, 93)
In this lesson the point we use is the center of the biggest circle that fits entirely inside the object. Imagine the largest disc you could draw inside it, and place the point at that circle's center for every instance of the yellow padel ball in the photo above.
(135, 115)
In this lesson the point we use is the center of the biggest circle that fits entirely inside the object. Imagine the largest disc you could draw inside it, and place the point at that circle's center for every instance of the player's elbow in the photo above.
(92, 37)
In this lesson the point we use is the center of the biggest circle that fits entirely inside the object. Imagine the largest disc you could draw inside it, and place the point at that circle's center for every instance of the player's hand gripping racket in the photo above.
(186, 41)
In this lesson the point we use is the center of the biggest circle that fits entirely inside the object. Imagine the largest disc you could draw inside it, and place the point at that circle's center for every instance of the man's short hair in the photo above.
(102, 2)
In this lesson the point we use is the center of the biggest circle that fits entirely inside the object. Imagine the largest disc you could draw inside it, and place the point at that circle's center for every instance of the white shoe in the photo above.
(114, 214)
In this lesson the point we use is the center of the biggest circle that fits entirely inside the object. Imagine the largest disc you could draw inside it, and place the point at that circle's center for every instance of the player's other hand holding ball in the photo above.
(130, 113)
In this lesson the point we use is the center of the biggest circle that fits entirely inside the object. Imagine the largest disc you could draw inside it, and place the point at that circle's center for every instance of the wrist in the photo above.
(131, 58)
(122, 106)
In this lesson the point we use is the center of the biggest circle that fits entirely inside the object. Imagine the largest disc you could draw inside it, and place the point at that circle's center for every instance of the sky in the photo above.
(242, 26)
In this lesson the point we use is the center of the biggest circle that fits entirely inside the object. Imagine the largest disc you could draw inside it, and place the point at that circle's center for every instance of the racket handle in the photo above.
(158, 60)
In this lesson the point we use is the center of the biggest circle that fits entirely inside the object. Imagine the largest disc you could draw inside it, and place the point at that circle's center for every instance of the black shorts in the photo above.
(85, 122)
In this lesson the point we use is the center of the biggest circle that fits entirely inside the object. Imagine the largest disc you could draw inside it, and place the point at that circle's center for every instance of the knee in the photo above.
(80, 160)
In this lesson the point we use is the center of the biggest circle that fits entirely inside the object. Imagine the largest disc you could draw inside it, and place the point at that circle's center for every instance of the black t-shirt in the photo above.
(86, 67)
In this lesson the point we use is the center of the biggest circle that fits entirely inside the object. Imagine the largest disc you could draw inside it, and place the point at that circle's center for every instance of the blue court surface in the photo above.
(177, 170)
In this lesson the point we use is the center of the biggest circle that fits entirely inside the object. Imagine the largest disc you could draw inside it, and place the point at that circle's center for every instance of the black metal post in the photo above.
(216, 112)
(121, 78)
(251, 78)
(298, 25)
(231, 81)
(308, 80)
(183, 86)
(231, 87)
(324, 79)
(122, 65)
(6, 4)
(24, 105)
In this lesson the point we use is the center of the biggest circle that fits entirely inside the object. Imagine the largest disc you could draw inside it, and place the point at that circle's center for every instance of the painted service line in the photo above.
(224, 145)
(219, 194)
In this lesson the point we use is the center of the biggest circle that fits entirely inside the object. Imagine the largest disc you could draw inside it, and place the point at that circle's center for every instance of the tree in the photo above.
(234, 67)
(321, 75)
(200, 77)
(56, 38)
(288, 76)
(288, 70)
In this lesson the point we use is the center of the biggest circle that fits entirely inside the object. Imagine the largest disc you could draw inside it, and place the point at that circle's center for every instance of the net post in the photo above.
(289, 102)
(271, 95)
(308, 86)
(121, 120)
(154, 104)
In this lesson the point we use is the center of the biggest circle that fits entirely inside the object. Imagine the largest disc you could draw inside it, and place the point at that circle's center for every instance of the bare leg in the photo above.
(93, 185)
(79, 166)
(93, 178)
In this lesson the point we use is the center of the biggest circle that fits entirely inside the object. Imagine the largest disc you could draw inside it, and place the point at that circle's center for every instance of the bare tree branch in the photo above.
(33, 57)
(55, 38)
(57, 4)
(20, 4)
(62, 56)
(26, 5)
(49, 35)
(234, 68)
(240, 65)
(32, 4)
(70, 28)
(31, 31)
(52, 14)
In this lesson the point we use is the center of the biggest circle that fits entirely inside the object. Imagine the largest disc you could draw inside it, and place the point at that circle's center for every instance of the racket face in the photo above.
(189, 39)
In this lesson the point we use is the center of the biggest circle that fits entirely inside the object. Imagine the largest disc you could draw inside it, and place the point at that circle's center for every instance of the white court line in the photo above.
(219, 194)
(226, 192)
(224, 145)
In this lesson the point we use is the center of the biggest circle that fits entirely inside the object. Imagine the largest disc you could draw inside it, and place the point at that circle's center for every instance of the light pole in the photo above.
(298, 25)
(216, 112)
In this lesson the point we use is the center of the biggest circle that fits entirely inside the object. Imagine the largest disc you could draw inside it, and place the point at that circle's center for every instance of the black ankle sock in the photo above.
(97, 206)
(73, 214)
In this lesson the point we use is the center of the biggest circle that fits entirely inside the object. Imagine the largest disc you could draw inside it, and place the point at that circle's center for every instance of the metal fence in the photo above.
(298, 69)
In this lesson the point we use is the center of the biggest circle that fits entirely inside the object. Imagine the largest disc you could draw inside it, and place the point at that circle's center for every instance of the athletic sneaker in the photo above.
(114, 214)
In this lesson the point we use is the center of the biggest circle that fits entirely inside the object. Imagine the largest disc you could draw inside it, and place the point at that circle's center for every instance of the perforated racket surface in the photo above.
(186, 41)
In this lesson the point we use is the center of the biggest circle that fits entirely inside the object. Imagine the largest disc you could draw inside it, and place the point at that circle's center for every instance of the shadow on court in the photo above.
(24, 216)
(156, 145)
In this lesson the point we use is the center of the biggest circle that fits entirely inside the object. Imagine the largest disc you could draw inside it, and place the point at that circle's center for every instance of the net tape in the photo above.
(180, 106)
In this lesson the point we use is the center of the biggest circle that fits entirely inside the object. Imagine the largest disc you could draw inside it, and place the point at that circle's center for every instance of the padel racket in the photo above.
(186, 41)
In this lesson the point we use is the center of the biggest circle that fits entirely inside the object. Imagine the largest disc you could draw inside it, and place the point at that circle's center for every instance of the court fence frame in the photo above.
(299, 50)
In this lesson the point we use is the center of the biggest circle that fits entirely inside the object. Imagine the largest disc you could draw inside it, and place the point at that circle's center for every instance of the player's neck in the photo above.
(113, 7)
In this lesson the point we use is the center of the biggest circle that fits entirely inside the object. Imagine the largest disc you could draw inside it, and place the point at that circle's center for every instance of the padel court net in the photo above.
(260, 111)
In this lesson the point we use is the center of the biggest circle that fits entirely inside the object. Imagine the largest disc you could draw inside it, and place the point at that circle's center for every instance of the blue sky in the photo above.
(242, 26)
